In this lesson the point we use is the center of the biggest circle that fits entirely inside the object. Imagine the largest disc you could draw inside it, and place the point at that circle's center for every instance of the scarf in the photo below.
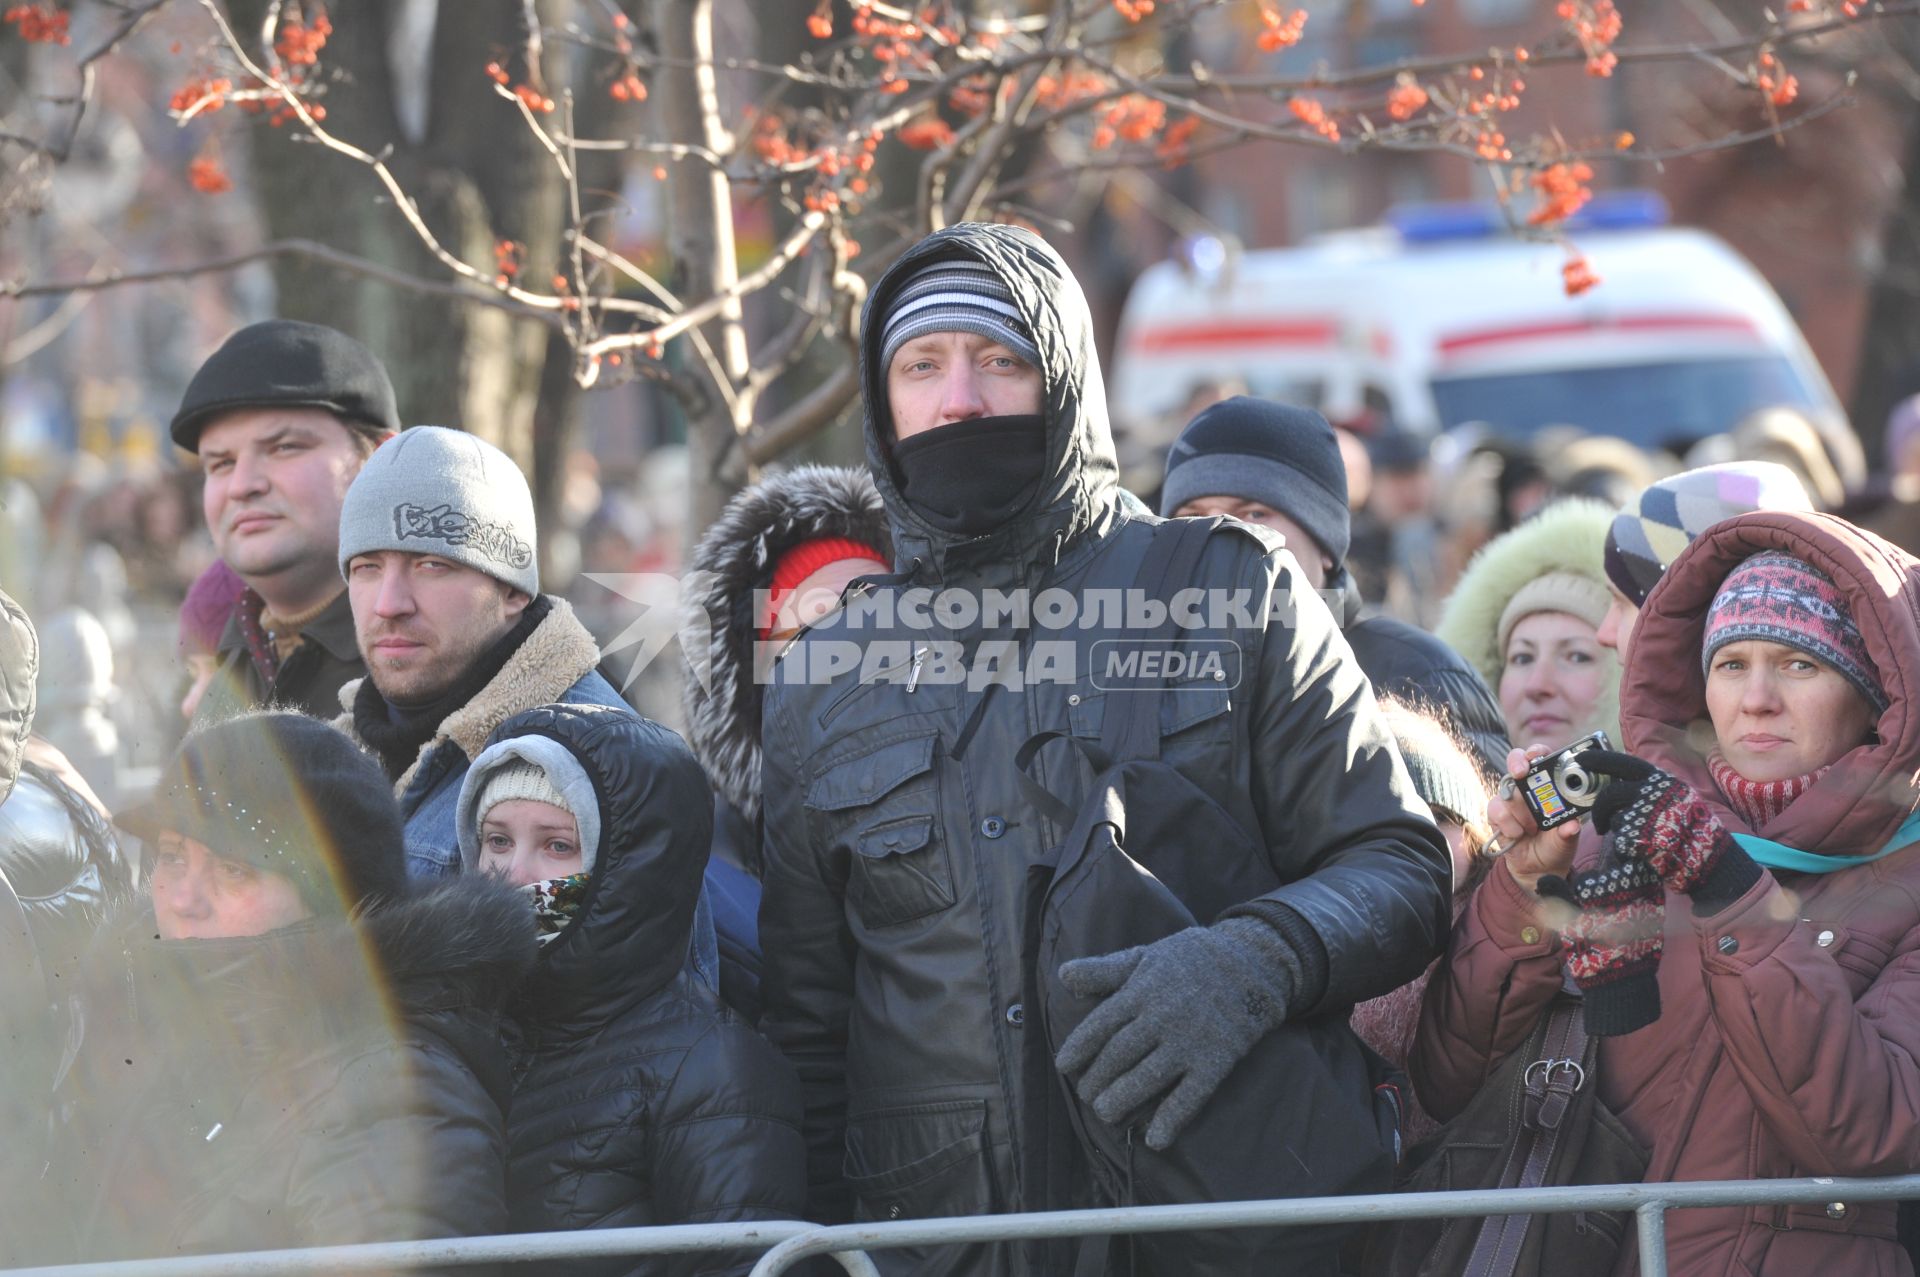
(396, 733)
(970, 477)
(1756, 802)
(556, 903)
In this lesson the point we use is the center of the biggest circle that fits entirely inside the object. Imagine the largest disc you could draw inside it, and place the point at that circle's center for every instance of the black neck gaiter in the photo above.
(970, 477)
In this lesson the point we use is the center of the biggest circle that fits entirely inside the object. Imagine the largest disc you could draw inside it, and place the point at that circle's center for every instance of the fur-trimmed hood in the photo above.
(735, 559)
(1568, 536)
(559, 653)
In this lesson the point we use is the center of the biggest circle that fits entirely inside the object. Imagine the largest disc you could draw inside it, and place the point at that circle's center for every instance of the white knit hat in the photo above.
(521, 779)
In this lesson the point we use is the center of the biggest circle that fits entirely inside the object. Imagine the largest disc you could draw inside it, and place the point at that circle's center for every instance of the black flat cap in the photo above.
(285, 363)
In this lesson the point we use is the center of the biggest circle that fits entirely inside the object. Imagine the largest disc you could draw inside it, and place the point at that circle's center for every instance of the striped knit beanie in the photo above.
(955, 296)
(1650, 533)
(1775, 597)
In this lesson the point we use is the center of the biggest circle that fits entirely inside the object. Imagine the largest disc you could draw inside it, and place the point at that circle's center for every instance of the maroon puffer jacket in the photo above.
(1789, 1041)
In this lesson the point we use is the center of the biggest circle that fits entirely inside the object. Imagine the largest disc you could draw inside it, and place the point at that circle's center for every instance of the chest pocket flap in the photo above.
(863, 778)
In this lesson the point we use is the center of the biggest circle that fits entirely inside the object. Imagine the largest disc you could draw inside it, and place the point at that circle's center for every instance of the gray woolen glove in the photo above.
(1176, 1016)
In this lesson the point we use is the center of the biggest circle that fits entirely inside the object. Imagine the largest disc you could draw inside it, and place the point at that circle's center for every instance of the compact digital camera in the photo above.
(1559, 787)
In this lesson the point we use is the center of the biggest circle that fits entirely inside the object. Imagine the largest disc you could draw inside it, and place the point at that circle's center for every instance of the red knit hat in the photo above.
(802, 561)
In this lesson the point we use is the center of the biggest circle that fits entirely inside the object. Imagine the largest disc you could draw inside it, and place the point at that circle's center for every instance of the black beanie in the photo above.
(288, 794)
(1284, 457)
(285, 363)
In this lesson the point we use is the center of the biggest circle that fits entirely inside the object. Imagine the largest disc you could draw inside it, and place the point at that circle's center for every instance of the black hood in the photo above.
(656, 825)
(1079, 494)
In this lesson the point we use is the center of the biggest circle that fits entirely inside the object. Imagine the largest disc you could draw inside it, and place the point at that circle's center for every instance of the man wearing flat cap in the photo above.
(283, 416)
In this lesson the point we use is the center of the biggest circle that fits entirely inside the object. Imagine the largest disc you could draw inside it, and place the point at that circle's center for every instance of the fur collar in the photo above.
(735, 558)
(559, 653)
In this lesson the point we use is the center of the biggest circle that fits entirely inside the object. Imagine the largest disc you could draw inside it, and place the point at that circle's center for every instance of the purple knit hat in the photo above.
(210, 600)
(1781, 599)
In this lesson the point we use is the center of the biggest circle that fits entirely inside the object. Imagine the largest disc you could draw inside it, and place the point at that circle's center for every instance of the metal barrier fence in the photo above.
(787, 1243)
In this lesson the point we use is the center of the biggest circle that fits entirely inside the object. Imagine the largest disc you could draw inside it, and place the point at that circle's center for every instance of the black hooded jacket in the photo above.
(326, 1083)
(897, 860)
(638, 1099)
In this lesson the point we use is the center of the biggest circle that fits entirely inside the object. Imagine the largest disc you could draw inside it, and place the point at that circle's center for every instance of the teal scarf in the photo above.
(1776, 855)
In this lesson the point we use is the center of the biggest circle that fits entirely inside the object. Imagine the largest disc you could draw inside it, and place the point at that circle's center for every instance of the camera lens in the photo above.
(1575, 783)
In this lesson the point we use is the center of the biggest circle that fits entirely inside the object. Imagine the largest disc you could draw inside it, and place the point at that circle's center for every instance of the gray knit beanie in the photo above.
(520, 780)
(431, 490)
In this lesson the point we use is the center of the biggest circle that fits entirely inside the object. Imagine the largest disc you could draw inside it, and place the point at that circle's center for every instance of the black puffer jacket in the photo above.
(896, 872)
(1414, 667)
(325, 1083)
(638, 1099)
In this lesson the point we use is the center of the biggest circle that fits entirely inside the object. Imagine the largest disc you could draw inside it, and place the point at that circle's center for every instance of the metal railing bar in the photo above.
(516, 1248)
(1372, 1208)
(1652, 1223)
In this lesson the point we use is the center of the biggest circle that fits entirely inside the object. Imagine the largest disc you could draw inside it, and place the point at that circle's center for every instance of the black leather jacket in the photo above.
(897, 861)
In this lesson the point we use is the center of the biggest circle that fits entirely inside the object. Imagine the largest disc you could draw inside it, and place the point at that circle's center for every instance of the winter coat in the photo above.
(638, 1099)
(1790, 1023)
(326, 659)
(897, 872)
(19, 681)
(326, 1083)
(1567, 536)
(1414, 667)
(554, 665)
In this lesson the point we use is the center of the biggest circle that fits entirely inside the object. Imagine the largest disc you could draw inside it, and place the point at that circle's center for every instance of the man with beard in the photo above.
(900, 843)
(440, 554)
(283, 416)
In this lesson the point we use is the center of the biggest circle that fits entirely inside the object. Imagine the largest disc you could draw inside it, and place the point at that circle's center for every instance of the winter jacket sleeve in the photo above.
(807, 982)
(1836, 1078)
(727, 1144)
(1501, 970)
(406, 1144)
(1363, 865)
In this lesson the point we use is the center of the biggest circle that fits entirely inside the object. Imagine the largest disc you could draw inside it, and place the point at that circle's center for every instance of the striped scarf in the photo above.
(1759, 803)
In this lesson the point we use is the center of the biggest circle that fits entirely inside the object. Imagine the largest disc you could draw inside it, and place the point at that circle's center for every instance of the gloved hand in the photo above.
(1660, 819)
(1613, 941)
(1177, 1015)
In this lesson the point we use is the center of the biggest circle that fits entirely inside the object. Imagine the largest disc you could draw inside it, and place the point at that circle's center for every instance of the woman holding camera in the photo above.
(1747, 937)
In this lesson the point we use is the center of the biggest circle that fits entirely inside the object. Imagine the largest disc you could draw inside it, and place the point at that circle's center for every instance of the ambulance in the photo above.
(1443, 317)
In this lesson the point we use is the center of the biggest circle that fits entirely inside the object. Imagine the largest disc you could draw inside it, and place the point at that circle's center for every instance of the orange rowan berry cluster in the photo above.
(970, 97)
(299, 43)
(200, 94)
(1133, 10)
(207, 177)
(1773, 80)
(1406, 99)
(40, 23)
(929, 133)
(1577, 276)
(1134, 118)
(1280, 31)
(507, 257)
(1056, 93)
(1563, 191)
(628, 88)
(820, 21)
(1311, 113)
(900, 45)
(1596, 25)
(1174, 143)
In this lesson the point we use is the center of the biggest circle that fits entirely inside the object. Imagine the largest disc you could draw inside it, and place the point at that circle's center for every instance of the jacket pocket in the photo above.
(883, 805)
(919, 1162)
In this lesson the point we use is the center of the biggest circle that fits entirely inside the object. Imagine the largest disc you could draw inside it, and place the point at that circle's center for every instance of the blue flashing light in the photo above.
(1606, 211)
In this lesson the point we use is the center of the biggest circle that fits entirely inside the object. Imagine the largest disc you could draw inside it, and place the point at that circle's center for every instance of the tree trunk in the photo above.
(1890, 346)
(700, 238)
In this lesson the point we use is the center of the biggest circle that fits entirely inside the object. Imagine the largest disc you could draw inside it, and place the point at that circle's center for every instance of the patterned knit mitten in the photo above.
(1659, 818)
(1613, 942)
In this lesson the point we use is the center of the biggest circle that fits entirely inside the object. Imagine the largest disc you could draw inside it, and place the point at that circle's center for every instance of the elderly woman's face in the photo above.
(1778, 713)
(198, 895)
(1554, 675)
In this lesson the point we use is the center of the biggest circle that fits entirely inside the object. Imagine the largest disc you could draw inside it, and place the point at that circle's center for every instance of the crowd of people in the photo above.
(1026, 849)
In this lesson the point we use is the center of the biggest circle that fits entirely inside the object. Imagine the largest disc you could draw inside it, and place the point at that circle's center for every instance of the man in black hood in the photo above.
(898, 838)
(1279, 465)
